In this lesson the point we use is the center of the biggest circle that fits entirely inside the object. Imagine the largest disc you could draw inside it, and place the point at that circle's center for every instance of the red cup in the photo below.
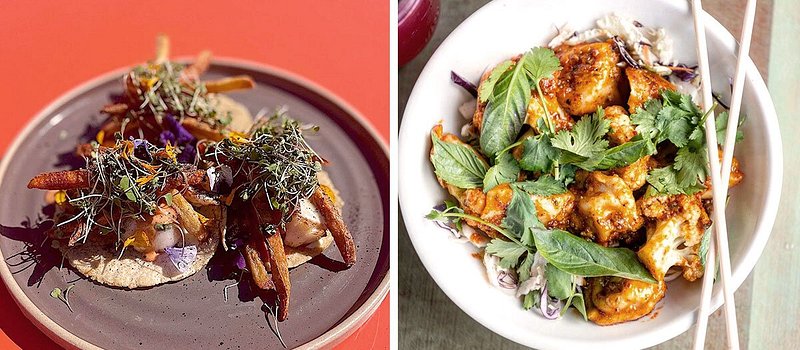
(416, 22)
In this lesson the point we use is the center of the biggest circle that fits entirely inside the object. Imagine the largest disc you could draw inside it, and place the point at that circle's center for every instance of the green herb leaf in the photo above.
(505, 170)
(168, 199)
(579, 303)
(505, 112)
(559, 283)
(524, 269)
(545, 185)
(538, 154)
(585, 140)
(577, 256)
(487, 85)
(541, 63)
(691, 166)
(457, 164)
(521, 214)
(626, 153)
(56, 293)
(722, 125)
(508, 252)
(127, 186)
(530, 300)
(703, 249)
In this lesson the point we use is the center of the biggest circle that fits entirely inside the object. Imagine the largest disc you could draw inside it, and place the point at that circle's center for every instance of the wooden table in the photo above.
(767, 306)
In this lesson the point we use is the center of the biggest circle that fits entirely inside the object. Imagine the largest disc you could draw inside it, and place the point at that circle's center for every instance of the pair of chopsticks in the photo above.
(720, 177)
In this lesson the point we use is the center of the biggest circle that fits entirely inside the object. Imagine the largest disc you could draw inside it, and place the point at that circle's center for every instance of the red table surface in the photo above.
(47, 48)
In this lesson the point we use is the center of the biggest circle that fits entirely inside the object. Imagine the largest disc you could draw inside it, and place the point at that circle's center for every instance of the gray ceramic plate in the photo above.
(327, 302)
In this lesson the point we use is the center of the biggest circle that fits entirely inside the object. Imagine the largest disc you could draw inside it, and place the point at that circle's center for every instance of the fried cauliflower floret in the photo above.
(736, 176)
(611, 300)
(554, 211)
(621, 129)
(635, 174)
(561, 120)
(675, 227)
(645, 85)
(608, 209)
(589, 78)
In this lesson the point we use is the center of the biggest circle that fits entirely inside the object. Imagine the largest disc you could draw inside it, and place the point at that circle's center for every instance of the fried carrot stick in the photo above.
(60, 180)
(278, 264)
(333, 220)
(201, 130)
(239, 82)
(198, 67)
(257, 268)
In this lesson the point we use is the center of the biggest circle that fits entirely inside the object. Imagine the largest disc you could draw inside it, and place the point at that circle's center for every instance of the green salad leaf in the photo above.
(577, 256)
(538, 154)
(505, 112)
(457, 164)
(504, 170)
(545, 185)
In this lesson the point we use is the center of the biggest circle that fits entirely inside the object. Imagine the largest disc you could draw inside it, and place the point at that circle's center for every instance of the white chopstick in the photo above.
(719, 193)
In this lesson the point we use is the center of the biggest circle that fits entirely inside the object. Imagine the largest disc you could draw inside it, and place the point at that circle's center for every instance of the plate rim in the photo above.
(751, 255)
(68, 340)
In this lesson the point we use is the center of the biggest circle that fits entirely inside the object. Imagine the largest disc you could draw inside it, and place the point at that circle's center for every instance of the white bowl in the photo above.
(506, 27)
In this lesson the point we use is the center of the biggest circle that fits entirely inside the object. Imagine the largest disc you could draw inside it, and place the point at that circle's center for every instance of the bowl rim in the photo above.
(681, 323)
(68, 340)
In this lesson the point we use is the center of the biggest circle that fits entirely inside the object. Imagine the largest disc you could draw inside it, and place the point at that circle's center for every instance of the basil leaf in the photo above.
(559, 283)
(538, 154)
(580, 304)
(577, 256)
(520, 214)
(487, 85)
(506, 111)
(626, 153)
(508, 252)
(505, 170)
(457, 164)
(544, 186)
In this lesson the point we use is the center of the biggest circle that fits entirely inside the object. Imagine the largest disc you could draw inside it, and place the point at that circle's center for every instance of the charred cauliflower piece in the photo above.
(736, 176)
(561, 120)
(554, 211)
(621, 129)
(611, 300)
(635, 174)
(589, 78)
(645, 85)
(608, 209)
(675, 227)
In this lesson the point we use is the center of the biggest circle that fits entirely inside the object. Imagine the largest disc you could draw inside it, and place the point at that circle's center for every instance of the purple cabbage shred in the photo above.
(464, 83)
(684, 74)
(624, 53)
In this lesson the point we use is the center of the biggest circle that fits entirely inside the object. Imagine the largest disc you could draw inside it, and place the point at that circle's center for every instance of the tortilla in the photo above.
(241, 119)
(101, 261)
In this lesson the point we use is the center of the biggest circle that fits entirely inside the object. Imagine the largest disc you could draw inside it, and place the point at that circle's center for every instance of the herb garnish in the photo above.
(274, 159)
(125, 183)
(508, 92)
(62, 295)
(159, 89)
